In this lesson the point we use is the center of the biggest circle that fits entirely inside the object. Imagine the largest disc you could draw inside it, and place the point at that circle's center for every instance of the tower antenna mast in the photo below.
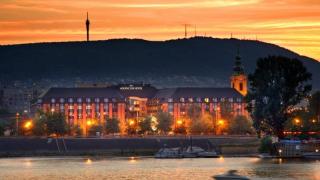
(87, 26)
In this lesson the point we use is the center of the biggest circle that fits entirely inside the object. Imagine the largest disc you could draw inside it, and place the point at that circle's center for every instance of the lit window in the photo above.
(230, 99)
(190, 99)
(79, 100)
(170, 108)
(88, 100)
(198, 99)
(222, 99)
(97, 100)
(170, 100)
(61, 100)
(53, 100)
(88, 107)
(71, 107)
(239, 99)
(70, 100)
(215, 99)
(181, 99)
(106, 100)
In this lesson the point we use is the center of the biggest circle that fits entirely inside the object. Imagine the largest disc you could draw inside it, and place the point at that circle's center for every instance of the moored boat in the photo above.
(169, 153)
(230, 175)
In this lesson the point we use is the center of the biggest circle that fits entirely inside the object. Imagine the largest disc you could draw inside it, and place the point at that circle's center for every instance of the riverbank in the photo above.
(123, 146)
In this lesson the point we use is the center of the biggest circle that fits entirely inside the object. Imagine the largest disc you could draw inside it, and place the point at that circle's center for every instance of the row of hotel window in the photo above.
(97, 100)
(88, 110)
(114, 107)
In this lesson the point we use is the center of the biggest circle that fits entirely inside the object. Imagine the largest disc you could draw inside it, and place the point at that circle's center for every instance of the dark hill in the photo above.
(195, 61)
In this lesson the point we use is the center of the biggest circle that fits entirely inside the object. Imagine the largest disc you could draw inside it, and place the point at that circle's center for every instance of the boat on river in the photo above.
(189, 152)
(230, 175)
(312, 155)
(164, 153)
(197, 152)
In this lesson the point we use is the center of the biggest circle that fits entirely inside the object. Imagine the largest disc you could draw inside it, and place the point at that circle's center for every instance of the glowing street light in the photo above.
(89, 123)
(131, 122)
(314, 121)
(297, 121)
(221, 122)
(179, 122)
(28, 125)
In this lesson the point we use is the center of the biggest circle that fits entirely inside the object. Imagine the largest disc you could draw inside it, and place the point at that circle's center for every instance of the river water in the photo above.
(149, 168)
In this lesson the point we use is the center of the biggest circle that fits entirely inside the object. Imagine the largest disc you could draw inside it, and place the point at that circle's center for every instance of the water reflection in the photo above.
(88, 161)
(149, 168)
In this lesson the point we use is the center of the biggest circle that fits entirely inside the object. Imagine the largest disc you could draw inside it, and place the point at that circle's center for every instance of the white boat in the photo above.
(194, 151)
(169, 153)
(230, 175)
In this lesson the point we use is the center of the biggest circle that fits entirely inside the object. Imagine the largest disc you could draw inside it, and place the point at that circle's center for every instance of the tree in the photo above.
(226, 110)
(194, 112)
(112, 126)
(40, 124)
(145, 125)
(56, 124)
(240, 125)
(94, 129)
(276, 87)
(203, 125)
(165, 121)
(2, 128)
(314, 106)
(77, 130)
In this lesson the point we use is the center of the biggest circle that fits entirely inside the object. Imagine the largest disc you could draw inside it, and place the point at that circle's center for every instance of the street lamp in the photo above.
(297, 121)
(131, 122)
(28, 125)
(88, 124)
(220, 124)
(17, 123)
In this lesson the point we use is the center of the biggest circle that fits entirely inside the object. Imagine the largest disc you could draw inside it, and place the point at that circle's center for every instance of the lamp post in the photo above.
(17, 123)
(88, 124)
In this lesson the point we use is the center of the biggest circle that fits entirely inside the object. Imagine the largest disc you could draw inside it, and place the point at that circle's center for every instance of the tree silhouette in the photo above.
(112, 126)
(276, 87)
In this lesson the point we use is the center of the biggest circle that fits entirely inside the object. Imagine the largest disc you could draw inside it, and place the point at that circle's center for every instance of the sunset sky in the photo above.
(294, 24)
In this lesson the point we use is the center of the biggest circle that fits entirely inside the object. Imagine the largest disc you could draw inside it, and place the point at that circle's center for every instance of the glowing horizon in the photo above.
(293, 24)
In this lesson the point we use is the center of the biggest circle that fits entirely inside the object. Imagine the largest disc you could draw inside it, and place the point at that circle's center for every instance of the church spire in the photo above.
(87, 26)
(238, 68)
(239, 79)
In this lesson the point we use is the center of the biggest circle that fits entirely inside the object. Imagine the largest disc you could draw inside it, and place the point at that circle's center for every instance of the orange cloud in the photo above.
(294, 24)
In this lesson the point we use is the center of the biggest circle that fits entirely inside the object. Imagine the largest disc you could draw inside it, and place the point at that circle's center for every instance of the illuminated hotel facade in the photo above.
(127, 101)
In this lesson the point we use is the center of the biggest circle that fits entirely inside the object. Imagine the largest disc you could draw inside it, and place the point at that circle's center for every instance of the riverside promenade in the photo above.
(123, 146)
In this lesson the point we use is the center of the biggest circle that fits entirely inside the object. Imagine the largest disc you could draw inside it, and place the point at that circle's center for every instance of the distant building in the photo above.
(16, 99)
(127, 101)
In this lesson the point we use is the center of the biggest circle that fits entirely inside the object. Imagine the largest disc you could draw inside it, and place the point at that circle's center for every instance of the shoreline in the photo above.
(122, 147)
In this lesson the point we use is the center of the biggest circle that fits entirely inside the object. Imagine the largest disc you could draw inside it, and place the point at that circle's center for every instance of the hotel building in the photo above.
(126, 101)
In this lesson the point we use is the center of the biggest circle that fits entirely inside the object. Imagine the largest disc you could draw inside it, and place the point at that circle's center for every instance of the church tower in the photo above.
(87, 26)
(239, 80)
